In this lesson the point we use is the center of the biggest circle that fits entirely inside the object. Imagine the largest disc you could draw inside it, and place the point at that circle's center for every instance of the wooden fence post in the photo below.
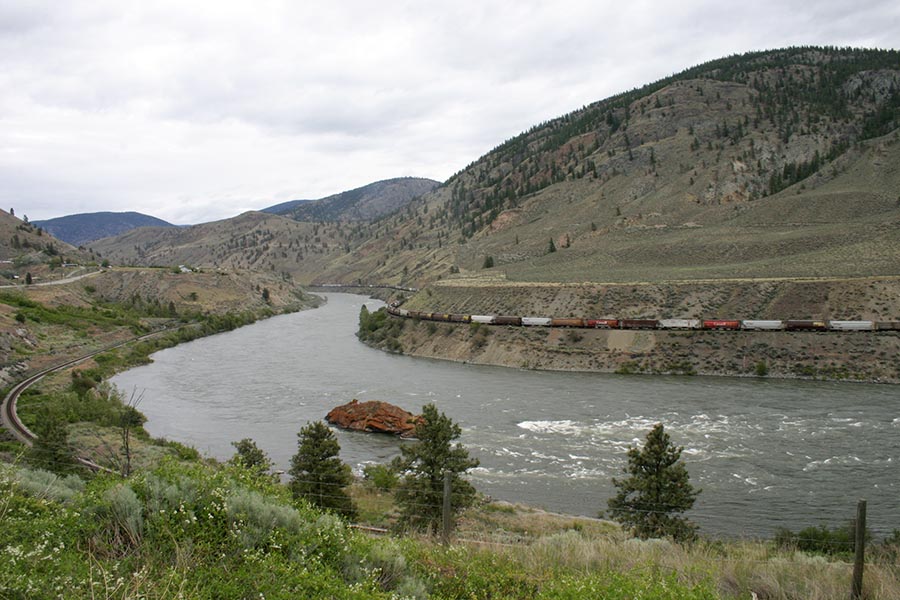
(860, 558)
(445, 530)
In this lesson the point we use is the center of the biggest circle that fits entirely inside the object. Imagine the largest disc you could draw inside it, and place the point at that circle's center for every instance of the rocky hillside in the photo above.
(772, 164)
(84, 228)
(781, 163)
(361, 204)
(26, 248)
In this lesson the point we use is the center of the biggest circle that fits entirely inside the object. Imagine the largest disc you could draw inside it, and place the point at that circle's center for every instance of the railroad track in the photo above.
(9, 417)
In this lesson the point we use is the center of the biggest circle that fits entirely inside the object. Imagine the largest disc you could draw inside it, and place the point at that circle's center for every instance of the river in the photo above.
(766, 453)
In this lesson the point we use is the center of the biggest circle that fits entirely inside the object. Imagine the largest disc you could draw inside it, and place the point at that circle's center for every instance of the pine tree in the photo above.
(488, 262)
(651, 499)
(251, 456)
(317, 473)
(551, 247)
(424, 463)
(51, 449)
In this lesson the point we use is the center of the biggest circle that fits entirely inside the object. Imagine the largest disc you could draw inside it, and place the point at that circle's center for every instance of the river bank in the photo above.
(850, 356)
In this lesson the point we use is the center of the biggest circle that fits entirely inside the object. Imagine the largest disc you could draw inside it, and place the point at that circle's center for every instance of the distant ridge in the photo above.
(84, 228)
(365, 203)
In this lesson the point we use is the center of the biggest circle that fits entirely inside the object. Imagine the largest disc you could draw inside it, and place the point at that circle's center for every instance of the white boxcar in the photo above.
(851, 325)
(762, 325)
(402, 312)
(539, 321)
(679, 323)
(486, 319)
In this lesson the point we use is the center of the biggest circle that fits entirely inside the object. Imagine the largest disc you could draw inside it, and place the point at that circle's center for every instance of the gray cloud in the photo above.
(198, 111)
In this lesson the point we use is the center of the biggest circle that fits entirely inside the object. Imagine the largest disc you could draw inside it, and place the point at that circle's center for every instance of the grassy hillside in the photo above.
(782, 163)
(770, 164)
(42, 325)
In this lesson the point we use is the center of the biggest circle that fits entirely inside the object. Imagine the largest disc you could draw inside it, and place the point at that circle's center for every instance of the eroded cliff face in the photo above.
(374, 416)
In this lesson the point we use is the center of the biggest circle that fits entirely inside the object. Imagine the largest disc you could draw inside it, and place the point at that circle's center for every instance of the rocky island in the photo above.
(374, 416)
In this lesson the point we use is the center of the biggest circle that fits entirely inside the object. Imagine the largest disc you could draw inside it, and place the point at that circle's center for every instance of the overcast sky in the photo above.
(194, 111)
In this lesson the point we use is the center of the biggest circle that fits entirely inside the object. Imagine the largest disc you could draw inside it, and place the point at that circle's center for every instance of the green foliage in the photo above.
(488, 262)
(382, 477)
(657, 490)
(39, 483)
(51, 450)
(625, 586)
(761, 369)
(424, 464)
(379, 329)
(250, 456)
(551, 247)
(317, 473)
(821, 539)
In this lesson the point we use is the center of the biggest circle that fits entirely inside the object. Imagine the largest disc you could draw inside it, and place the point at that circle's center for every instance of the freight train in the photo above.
(663, 324)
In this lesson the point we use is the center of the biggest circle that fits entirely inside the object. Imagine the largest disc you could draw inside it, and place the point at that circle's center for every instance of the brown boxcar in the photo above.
(567, 322)
(721, 324)
(460, 318)
(602, 323)
(507, 320)
(805, 325)
(638, 323)
(440, 317)
(887, 325)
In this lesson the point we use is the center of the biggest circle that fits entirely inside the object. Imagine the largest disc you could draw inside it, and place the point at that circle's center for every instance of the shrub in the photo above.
(382, 477)
(44, 484)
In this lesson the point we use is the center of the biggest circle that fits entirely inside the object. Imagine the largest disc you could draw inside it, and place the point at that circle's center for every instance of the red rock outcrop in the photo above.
(375, 416)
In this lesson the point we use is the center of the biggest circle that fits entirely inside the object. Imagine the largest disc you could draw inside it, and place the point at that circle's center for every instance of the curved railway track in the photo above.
(9, 417)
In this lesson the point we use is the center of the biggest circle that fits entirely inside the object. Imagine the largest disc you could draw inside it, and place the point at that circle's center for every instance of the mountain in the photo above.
(770, 164)
(81, 229)
(782, 163)
(361, 204)
(284, 207)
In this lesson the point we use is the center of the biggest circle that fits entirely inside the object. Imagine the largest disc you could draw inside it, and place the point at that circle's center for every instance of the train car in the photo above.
(762, 325)
(454, 318)
(638, 323)
(805, 325)
(507, 320)
(565, 322)
(443, 317)
(413, 314)
(402, 312)
(887, 325)
(727, 324)
(602, 323)
(679, 323)
(483, 319)
(536, 321)
(851, 325)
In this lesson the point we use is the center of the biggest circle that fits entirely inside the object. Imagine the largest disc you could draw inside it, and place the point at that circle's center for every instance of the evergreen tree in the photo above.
(51, 449)
(551, 247)
(424, 463)
(317, 473)
(651, 499)
(488, 262)
(251, 456)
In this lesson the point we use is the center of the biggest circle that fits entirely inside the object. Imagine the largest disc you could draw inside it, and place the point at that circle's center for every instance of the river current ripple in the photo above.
(766, 453)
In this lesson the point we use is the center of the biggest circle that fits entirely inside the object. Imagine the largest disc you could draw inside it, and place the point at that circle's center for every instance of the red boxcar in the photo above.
(602, 323)
(721, 324)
